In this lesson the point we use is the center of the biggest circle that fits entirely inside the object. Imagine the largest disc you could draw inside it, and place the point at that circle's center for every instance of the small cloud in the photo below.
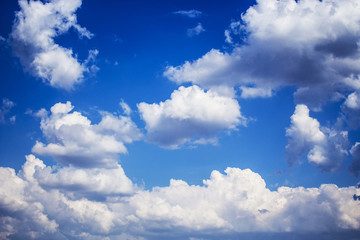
(196, 30)
(189, 13)
(5, 108)
(12, 119)
(117, 39)
(125, 107)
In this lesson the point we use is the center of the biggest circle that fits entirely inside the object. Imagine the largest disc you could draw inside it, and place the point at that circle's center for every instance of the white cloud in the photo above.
(97, 183)
(190, 114)
(195, 30)
(311, 45)
(73, 140)
(226, 204)
(125, 107)
(189, 13)
(326, 148)
(353, 101)
(5, 108)
(35, 27)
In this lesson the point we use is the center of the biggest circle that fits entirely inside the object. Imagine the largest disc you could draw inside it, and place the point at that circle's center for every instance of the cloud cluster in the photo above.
(36, 26)
(226, 204)
(312, 45)
(74, 141)
(326, 148)
(191, 115)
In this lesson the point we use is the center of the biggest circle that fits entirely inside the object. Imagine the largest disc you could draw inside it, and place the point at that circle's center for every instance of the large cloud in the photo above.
(309, 44)
(73, 140)
(35, 27)
(225, 205)
(326, 148)
(191, 115)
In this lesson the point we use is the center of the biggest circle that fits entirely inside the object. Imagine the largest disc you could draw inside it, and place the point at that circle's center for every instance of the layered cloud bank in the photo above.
(39, 204)
(35, 27)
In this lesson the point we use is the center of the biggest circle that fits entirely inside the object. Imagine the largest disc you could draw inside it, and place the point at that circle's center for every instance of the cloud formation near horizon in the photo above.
(32, 37)
(36, 203)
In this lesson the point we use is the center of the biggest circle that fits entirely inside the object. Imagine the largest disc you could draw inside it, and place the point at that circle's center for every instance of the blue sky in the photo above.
(121, 118)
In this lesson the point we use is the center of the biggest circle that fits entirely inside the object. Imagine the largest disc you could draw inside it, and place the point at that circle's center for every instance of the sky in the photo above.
(180, 119)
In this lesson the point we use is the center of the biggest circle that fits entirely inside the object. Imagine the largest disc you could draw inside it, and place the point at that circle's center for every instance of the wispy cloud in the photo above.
(5, 108)
(189, 13)
(195, 30)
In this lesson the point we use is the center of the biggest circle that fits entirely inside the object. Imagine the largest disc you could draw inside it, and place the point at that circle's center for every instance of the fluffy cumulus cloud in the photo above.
(309, 44)
(74, 141)
(35, 27)
(324, 147)
(191, 115)
(225, 205)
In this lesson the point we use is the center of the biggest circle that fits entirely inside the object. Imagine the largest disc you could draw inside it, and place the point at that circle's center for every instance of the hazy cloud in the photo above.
(189, 13)
(5, 108)
(195, 30)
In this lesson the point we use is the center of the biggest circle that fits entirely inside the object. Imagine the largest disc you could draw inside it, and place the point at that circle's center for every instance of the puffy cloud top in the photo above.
(326, 148)
(73, 140)
(190, 113)
(226, 204)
